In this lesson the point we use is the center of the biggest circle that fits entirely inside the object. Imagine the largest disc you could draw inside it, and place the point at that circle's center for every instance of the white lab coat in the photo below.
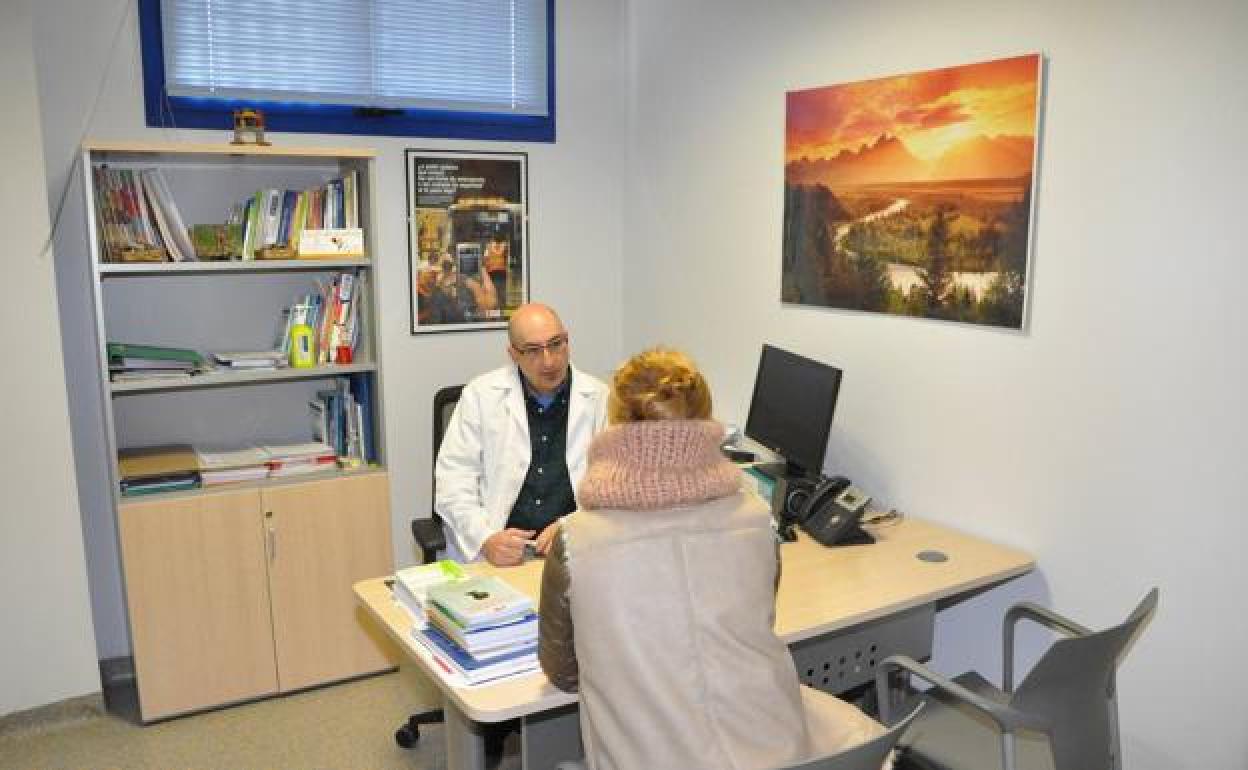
(486, 451)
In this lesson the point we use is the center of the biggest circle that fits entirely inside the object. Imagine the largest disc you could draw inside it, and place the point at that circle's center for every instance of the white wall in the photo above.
(575, 212)
(48, 652)
(1108, 437)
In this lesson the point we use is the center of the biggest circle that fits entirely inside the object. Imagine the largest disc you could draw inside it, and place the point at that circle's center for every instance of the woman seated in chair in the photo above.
(658, 597)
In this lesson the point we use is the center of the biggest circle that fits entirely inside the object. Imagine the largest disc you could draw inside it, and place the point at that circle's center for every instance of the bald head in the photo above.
(539, 346)
(529, 323)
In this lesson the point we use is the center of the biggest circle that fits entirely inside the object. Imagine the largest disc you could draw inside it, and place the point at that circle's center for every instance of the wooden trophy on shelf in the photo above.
(249, 123)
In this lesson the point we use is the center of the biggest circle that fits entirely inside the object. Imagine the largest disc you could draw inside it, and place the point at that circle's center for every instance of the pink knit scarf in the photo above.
(657, 464)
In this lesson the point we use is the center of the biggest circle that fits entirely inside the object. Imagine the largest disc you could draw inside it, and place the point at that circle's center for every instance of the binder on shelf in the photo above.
(154, 352)
(155, 461)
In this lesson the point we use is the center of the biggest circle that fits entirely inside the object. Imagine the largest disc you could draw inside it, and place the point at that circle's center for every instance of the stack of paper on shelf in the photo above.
(251, 359)
(223, 466)
(481, 629)
(295, 459)
(412, 584)
(166, 468)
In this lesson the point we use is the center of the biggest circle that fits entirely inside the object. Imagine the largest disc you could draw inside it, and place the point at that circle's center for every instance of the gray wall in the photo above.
(1108, 438)
(47, 652)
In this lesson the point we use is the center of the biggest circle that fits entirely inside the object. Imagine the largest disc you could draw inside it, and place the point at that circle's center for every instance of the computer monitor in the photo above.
(791, 410)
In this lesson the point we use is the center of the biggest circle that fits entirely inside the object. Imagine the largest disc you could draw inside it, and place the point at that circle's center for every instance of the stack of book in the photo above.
(333, 312)
(412, 584)
(295, 459)
(251, 360)
(224, 466)
(480, 629)
(343, 418)
(138, 219)
(152, 469)
(127, 361)
(277, 218)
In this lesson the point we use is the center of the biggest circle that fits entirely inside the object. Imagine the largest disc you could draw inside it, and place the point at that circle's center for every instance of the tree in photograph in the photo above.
(936, 276)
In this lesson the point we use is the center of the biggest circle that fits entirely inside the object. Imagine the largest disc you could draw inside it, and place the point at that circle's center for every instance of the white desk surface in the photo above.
(822, 590)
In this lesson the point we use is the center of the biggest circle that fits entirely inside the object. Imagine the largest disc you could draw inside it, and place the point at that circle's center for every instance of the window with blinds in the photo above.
(447, 68)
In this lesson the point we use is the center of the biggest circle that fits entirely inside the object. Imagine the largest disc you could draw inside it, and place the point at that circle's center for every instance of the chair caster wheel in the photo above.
(407, 736)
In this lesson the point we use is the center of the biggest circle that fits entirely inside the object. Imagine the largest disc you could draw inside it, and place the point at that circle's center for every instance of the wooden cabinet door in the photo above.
(326, 536)
(198, 597)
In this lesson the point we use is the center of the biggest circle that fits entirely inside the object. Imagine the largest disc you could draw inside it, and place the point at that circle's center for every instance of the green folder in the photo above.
(127, 350)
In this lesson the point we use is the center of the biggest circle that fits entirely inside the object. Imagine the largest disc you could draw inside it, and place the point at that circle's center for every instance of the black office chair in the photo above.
(430, 535)
(1062, 716)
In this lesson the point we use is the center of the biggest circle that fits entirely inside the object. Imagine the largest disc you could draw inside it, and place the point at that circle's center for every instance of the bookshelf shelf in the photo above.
(226, 378)
(277, 550)
(255, 266)
(259, 484)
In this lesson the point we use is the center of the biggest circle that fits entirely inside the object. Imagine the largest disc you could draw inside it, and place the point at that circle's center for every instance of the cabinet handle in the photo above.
(272, 537)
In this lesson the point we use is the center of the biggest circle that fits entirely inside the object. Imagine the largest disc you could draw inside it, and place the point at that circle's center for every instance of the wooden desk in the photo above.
(876, 600)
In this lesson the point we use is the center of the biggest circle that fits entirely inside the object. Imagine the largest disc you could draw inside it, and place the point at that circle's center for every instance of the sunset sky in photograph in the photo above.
(928, 111)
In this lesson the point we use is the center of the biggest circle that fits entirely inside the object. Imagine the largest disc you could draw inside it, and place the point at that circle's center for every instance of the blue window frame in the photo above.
(371, 69)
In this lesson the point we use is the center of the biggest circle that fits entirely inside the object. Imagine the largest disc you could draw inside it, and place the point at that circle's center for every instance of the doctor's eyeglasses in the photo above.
(554, 346)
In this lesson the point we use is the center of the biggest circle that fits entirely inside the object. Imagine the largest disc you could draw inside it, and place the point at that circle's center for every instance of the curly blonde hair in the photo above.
(658, 384)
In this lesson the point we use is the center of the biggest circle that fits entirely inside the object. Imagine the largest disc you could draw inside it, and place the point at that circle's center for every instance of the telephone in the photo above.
(829, 509)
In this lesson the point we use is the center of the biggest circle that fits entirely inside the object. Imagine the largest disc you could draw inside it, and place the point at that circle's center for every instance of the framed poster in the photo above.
(912, 194)
(467, 238)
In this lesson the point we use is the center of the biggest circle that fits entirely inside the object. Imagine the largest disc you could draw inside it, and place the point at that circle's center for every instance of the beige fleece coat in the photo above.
(662, 615)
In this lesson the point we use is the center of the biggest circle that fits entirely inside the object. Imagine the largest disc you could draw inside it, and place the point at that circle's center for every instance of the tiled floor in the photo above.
(345, 726)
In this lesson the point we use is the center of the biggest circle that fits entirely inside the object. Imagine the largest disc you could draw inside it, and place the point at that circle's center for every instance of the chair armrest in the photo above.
(1033, 612)
(430, 537)
(1009, 719)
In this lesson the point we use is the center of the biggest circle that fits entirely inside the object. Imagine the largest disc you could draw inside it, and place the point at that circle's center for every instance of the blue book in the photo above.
(485, 643)
(447, 654)
(288, 210)
(362, 388)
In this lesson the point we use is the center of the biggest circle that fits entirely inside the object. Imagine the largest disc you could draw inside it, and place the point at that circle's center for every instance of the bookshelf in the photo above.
(238, 591)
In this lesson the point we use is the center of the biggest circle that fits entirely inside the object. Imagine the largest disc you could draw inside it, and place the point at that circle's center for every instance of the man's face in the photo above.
(539, 347)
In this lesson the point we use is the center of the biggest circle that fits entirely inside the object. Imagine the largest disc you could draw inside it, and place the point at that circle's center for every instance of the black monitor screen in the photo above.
(791, 409)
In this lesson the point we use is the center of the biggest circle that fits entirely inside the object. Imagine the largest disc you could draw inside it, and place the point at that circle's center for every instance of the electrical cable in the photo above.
(126, 6)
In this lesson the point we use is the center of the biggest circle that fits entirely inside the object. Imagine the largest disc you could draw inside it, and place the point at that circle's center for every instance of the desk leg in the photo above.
(551, 737)
(465, 746)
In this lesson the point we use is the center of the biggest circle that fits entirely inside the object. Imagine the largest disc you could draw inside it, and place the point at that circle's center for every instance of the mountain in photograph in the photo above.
(887, 160)
(985, 157)
(884, 160)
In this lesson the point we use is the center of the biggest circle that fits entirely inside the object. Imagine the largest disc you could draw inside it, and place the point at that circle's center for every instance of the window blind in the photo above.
(457, 55)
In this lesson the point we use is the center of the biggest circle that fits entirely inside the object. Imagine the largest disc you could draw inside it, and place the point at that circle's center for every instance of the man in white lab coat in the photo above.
(515, 448)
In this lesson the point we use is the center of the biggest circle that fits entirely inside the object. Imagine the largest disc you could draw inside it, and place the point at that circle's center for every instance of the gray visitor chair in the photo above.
(865, 756)
(1062, 716)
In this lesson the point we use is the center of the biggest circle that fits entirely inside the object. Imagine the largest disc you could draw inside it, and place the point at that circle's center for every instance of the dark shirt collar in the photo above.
(545, 400)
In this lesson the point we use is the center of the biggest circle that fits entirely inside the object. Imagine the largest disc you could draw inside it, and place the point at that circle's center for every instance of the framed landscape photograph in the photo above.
(912, 195)
(467, 238)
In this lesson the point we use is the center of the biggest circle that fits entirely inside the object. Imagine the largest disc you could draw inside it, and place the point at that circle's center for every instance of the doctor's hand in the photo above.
(506, 548)
(546, 538)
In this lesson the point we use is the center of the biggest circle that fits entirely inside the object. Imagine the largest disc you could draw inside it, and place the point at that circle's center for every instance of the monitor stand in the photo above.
(784, 471)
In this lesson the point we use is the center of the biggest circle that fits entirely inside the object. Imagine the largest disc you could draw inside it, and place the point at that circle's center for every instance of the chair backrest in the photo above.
(864, 756)
(444, 402)
(1072, 685)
